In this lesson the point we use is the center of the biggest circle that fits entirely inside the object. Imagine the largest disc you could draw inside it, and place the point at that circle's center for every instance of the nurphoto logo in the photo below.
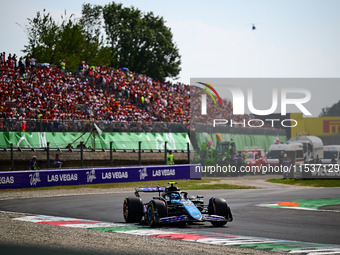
(238, 98)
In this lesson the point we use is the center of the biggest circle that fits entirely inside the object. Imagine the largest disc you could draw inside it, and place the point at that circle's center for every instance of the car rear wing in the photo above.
(154, 189)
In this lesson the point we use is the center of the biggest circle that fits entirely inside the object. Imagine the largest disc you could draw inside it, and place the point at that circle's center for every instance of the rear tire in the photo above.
(156, 209)
(219, 206)
(133, 209)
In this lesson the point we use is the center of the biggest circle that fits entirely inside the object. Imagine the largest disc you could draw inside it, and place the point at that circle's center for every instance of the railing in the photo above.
(60, 125)
(78, 153)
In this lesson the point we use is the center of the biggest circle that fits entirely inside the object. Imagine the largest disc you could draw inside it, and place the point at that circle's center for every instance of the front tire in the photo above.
(219, 206)
(156, 209)
(133, 209)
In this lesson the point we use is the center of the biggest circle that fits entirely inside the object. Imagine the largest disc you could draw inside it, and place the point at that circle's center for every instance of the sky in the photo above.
(293, 39)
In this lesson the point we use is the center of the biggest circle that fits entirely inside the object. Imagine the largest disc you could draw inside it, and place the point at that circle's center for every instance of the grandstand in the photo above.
(46, 98)
(94, 93)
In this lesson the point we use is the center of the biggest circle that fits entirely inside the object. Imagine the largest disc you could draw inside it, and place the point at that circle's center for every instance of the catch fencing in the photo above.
(61, 125)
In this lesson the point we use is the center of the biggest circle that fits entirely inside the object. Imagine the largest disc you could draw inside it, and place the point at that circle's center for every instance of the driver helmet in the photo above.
(174, 196)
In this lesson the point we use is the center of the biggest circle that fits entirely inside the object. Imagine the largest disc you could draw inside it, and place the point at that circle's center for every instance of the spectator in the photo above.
(3, 57)
(170, 158)
(286, 160)
(240, 160)
(57, 162)
(33, 165)
(63, 65)
(28, 61)
(10, 61)
(21, 65)
(14, 59)
(32, 62)
(281, 157)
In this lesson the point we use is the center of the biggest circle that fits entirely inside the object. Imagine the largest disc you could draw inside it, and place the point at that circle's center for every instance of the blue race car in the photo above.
(175, 206)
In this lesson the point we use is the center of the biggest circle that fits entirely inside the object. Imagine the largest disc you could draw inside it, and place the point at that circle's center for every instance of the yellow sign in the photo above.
(320, 126)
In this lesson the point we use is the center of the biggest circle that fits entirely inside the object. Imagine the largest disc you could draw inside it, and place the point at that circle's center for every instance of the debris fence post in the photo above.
(140, 153)
(165, 152)
(188, 146)
(111, 156)
(48, 155)
(81, 154)
(12, 158)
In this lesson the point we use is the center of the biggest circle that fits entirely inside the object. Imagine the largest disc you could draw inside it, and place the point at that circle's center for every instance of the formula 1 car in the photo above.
(175, 206)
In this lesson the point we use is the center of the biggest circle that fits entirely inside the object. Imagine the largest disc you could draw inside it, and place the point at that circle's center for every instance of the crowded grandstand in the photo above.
(44, 92)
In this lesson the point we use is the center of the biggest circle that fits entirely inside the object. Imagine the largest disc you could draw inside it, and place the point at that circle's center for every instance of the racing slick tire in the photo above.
(156, 209)
(133, 209)
(219, 206)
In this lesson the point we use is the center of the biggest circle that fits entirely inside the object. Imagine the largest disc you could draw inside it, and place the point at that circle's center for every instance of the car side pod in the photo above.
(192, 210)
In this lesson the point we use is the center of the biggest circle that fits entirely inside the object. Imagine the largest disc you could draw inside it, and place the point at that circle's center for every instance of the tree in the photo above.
(92, 22)
(140, 41)
(50, 42)
(334, 110)
(42, 34)
(71, 44)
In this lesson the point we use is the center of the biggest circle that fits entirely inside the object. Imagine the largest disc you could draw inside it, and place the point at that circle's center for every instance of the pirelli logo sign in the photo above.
(331, 126)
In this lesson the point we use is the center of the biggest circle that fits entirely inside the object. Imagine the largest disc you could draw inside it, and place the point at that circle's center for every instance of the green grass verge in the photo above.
(205, 183)
(312, 183)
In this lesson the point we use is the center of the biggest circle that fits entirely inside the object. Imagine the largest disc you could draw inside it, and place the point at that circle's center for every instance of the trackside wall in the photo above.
(48, 178)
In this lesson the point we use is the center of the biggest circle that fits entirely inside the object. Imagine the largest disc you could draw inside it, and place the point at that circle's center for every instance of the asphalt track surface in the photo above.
(249, 218)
